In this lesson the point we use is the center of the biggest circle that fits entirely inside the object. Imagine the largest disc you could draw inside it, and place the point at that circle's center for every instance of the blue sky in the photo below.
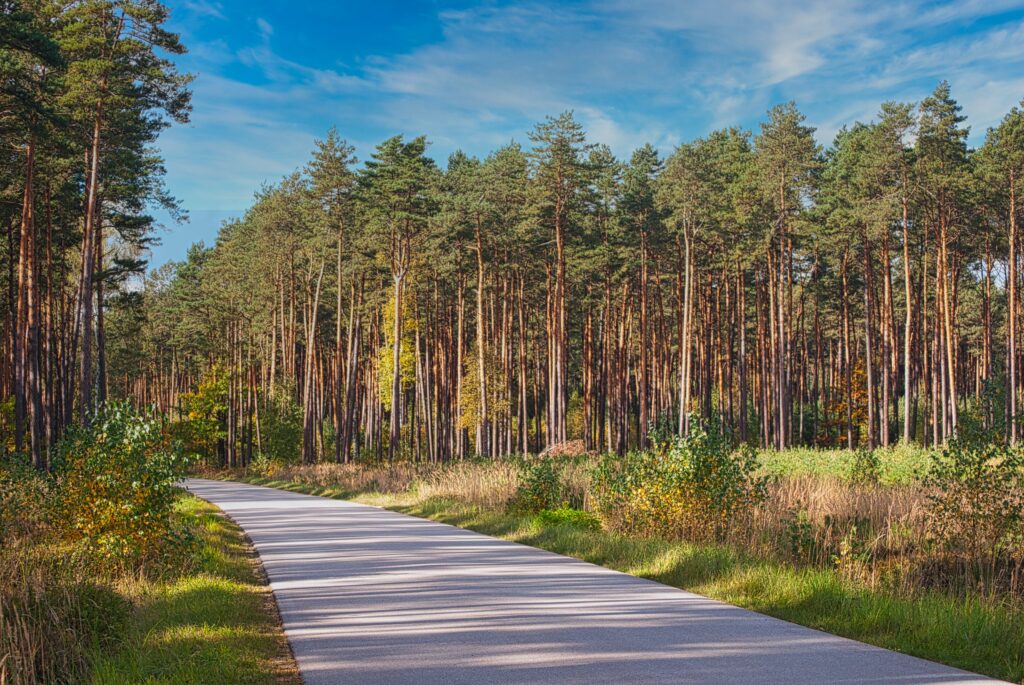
(272, 76)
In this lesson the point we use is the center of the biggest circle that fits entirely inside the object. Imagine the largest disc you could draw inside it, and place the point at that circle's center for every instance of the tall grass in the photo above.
(900, 464)
(53, 604)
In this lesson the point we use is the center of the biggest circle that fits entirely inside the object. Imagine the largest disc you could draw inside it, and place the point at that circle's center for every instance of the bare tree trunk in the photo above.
(869, 341)
(908, 330)
(1012, 314)
(310, 413)
(85, 306)
(396, 371)
(483, 446)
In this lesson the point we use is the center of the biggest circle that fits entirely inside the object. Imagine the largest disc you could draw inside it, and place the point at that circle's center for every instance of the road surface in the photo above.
(371, 596)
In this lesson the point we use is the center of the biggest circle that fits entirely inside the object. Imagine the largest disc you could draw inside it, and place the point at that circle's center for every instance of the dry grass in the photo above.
(49, 605)
(477, 482)
(485, 484)
(50, 612)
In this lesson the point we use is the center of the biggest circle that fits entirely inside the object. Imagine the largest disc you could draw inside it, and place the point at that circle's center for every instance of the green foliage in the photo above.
(695, 487)
(497, 401)
(900, 464)
(566, 516)
(281, 429)
(574, 419)
(976, 506)
(26, 500)
(540, 487)
(7, 424)
(117, 480)
(866, 467)
(386, 352)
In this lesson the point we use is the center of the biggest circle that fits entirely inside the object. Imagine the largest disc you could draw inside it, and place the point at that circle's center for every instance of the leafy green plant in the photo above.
(117, 479)
(26, 500)
(202, 429)
(976, 508)
(540, 487)
(799, 533)
(695, 487)
(281, 429)
(7, 424)
(866, 467)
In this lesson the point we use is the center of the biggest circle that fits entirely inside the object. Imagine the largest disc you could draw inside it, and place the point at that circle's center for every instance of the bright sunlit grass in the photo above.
(215, 625)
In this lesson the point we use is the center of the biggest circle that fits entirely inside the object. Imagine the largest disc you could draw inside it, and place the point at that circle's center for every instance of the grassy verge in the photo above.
(215, 624)
(981, 636)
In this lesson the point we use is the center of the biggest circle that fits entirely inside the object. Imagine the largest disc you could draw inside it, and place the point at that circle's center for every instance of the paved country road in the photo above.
(371, 596)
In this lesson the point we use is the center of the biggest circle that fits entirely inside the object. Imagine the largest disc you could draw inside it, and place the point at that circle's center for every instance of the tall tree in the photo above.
(396, 184)
(560, 176)
(114, 50)
(1002, 166)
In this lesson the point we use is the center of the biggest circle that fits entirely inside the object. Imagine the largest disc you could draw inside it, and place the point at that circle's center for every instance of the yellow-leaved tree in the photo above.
(408, 353)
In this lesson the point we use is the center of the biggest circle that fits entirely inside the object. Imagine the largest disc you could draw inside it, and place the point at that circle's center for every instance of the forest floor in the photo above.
(218, 623)
(975, 634)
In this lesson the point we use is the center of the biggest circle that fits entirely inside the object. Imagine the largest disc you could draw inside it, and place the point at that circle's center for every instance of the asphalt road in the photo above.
(371, 596)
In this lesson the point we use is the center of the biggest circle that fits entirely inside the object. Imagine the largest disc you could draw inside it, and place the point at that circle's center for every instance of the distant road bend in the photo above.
(371, 596)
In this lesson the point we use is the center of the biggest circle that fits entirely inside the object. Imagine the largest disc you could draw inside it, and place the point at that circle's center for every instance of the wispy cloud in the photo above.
(204, 8)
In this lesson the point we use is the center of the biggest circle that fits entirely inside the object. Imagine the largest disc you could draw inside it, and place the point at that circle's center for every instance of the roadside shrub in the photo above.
(117, 478)
(566, 516)
(694, 488)
(976, 510)
(263, 466)
(540, 487)
(51, 612)
(202, 428)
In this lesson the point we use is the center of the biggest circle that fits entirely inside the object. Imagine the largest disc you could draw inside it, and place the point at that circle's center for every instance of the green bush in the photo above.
(116, 482)
(866, 467)
(976, 508)
(53, 604)
(26, 500)
(202, 428)
(540, 487)
(281, 429)
(694, 488)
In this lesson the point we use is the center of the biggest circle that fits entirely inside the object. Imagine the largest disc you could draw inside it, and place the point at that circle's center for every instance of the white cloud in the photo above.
(204, 8)
(266, 30)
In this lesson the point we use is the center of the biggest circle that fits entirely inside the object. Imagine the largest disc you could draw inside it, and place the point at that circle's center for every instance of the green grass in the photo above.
(972, 634)
(216, 624)
(899, 464)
